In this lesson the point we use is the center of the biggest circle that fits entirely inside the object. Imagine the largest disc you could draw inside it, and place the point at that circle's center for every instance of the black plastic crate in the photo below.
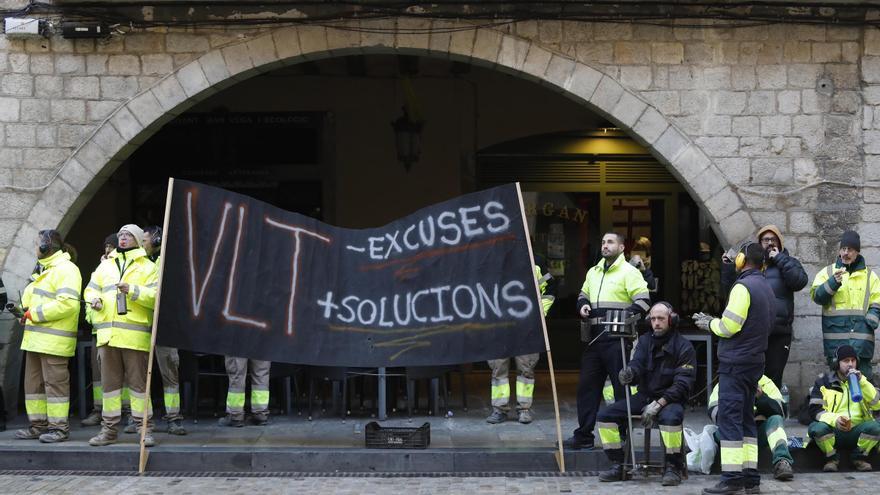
(393, 437)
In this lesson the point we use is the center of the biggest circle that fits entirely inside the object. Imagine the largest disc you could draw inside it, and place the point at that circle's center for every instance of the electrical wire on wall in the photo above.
(678, 14)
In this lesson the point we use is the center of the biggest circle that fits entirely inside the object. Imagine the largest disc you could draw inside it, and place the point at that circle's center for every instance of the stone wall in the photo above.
(767, 124)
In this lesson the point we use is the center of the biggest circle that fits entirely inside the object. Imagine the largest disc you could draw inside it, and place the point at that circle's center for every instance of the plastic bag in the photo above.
(702, 449)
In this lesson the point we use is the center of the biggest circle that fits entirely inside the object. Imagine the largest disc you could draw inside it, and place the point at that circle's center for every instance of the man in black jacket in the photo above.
(785, 275)
(664, 368)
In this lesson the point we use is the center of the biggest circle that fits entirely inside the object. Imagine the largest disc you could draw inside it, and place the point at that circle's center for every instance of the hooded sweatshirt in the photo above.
(784, 274)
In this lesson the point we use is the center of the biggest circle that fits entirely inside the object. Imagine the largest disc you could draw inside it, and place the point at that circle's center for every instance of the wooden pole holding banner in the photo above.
(560, 454)
(142, 461)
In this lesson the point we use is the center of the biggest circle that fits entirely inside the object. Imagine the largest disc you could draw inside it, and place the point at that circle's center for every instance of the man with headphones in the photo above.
(664, 367)
(786, 275)
(743, 330)
(849, 293)
(167, 357)
(51, 315)
(839, 420)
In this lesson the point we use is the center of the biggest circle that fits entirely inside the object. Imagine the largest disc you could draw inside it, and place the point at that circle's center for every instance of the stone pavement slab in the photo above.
(62, 484)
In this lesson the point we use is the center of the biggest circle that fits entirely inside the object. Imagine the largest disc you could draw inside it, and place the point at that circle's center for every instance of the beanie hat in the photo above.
(843, 352)
(851, 239)
(134, 230)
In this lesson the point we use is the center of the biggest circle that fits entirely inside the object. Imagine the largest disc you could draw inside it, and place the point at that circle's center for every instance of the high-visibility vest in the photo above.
(132, 330)
(52, 298)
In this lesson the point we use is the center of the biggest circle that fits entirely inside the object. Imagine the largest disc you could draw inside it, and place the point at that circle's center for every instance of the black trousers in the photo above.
(671, 415)
(598, 361)
(776, 357)
(736, 422)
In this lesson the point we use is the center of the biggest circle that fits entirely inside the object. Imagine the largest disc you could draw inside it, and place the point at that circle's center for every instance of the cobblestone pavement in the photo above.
(343, 485)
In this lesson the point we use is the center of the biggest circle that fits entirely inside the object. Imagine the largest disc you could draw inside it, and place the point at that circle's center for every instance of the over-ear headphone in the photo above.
(673, 316)
(740, 261)
(156, 238)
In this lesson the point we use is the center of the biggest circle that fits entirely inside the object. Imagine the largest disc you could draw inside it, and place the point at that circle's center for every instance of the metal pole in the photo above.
(629, 421)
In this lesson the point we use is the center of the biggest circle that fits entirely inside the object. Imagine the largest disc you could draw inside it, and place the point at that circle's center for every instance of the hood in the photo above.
(775, 230)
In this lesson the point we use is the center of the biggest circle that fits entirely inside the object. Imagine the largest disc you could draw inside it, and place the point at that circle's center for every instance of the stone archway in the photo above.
(134, 121)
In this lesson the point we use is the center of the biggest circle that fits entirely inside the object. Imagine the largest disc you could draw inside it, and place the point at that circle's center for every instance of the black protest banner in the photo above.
(451, 283)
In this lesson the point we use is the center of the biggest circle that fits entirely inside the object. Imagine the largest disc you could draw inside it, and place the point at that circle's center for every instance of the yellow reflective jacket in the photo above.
(850, 309)
(830, 399)
(132, 330)
(620, 286)
(52, 298)
(546, 299)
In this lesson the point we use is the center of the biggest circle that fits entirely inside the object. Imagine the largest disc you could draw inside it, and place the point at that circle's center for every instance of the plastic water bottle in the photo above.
(785, 399)
(855, 390)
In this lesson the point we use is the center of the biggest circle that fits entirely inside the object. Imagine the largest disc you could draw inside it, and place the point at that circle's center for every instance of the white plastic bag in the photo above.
(702, 449)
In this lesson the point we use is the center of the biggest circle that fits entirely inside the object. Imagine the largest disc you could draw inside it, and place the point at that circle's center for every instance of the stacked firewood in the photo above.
(700, 286)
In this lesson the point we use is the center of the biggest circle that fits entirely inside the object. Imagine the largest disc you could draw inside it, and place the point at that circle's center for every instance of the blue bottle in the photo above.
(855, 390)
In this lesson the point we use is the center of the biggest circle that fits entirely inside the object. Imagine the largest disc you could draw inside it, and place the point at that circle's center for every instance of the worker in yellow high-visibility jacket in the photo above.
(126, 277)
(743, 329)
(51, 314)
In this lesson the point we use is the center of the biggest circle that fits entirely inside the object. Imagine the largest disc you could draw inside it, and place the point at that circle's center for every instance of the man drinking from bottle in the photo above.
(841, 405)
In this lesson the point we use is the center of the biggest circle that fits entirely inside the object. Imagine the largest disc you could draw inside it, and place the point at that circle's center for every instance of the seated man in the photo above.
(839, 422)
(770, 418)
(664, 368)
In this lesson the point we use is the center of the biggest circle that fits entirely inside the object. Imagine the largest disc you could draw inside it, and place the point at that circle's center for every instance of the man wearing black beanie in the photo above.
(841, 419)
(850, 316)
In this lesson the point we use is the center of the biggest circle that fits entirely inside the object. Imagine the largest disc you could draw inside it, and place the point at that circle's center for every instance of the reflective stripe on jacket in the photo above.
(52, 298)
(850, 309)
(132, 330)
(620, 286)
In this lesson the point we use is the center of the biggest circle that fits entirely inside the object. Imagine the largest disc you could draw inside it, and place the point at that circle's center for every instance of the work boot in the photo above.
(130, 425)
(148, 438)
(753, 490)
(615, 473)
(671, 477)
(830, 466)
(228, 421)
(783, 471)
(29, 433)
(862, 465)
(724, 488)
(175, 428)
(93, 419)
(574, 443)
(496, 417)
(525, 416)
(105, 437)
(259, 420)
(54, 436)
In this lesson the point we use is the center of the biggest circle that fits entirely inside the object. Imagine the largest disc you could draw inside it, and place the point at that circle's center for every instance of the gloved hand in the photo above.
(626, 376)
(585, 311)
(702, 320)
(649, 414)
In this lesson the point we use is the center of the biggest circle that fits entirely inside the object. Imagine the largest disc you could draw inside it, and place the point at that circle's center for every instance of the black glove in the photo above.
(626, 376)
